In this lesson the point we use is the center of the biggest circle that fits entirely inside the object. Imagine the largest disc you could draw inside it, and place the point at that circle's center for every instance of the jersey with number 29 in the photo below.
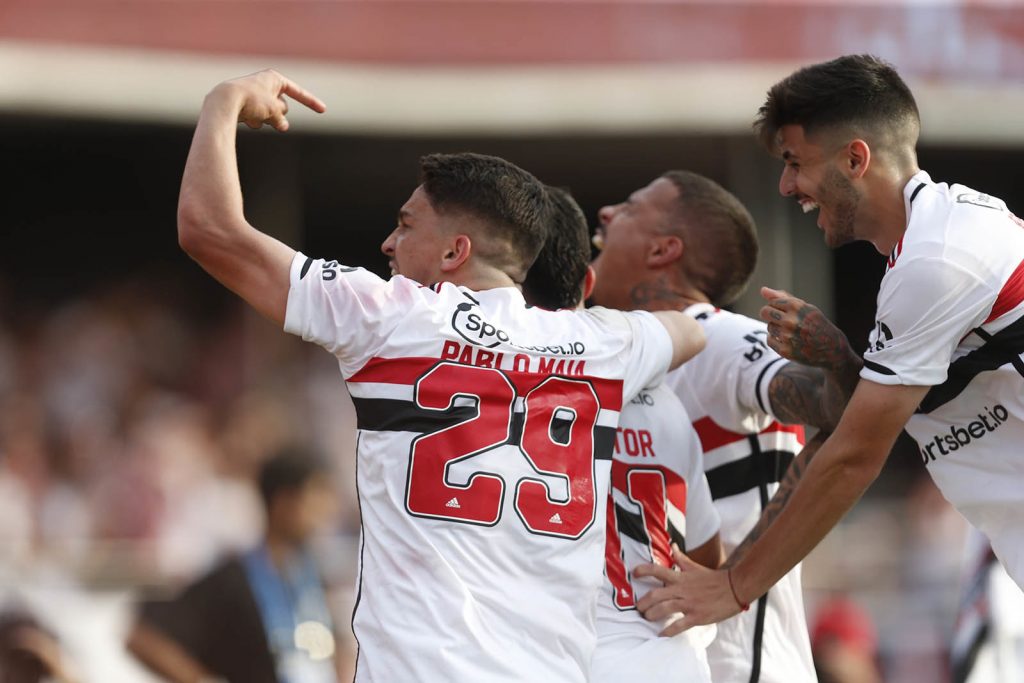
(485, 430)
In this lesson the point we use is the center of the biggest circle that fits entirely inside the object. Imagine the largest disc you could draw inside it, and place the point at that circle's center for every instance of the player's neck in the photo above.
(480, 277)
(663, 293)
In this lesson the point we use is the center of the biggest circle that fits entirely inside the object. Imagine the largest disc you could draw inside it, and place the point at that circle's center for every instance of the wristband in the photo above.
(744, 606)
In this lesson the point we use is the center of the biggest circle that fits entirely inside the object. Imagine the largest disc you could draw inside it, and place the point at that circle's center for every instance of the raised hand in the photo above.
(262, 98)
(800, 332)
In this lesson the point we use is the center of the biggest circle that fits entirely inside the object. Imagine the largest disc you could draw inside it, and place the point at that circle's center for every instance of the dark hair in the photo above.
(719, 234)
(289, 470)
(861, 93)
(511, 205)
(555, 279)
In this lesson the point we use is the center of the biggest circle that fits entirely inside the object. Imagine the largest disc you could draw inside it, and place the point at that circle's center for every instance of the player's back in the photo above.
(659, 496)
(745, 453)
(485, 434)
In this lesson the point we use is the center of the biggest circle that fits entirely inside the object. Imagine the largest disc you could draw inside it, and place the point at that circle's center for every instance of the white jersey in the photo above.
(659, 496)
(485, 430)
(746, 452)
(951, 316)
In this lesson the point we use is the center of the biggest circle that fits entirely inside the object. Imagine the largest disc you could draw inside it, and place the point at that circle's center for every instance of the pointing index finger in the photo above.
(303, 96)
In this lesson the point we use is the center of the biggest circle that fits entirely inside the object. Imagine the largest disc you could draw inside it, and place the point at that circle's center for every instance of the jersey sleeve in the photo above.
(650, 353)
(740, 365)
(348, 311)
(926, 306)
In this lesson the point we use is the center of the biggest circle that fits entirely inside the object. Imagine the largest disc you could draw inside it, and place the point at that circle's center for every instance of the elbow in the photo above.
(190, 231)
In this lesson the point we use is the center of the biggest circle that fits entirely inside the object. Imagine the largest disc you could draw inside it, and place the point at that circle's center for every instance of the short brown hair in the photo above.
(719, 237)
(511, 205)
(555, 280)
(861, 93)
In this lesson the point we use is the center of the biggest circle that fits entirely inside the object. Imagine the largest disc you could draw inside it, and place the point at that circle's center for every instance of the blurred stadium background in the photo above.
(136, 396)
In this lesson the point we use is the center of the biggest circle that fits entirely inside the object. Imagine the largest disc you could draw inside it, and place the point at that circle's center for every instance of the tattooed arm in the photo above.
(788, 484)
(815, 389)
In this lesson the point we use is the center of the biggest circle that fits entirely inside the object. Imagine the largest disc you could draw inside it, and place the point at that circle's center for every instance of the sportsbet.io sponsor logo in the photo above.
(475, 329)
(961, 436)
(471, 326)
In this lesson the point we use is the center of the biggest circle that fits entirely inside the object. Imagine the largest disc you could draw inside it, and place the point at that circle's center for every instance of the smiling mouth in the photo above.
(808, 205)
(394, 269)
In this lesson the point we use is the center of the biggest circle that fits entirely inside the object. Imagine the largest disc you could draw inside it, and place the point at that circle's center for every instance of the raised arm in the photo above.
(687, 335)
(212, 227)
(815, 388)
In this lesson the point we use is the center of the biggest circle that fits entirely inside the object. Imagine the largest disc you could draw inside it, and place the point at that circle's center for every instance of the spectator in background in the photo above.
(844, 643)
(261, 616)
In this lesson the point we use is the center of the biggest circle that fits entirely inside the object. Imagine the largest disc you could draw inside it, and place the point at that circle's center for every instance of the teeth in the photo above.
(598, 241)
(808, 206)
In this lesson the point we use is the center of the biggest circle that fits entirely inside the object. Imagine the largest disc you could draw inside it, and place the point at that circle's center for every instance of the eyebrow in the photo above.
(403, 214)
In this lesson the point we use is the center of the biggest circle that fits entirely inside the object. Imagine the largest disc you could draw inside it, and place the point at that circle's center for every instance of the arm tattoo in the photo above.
(778, 502)
(815, 395)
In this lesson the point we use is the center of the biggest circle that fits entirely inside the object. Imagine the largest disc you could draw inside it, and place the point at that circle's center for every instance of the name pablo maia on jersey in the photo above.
(518, 362)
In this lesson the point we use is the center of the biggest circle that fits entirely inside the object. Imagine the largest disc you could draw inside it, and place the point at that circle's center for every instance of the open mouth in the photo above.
(808, 205)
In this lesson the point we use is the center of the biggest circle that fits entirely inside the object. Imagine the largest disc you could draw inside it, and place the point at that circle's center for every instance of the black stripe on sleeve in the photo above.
(917, 189)
(745, 474)
(305, 267)
(876, 367)
(757, 385)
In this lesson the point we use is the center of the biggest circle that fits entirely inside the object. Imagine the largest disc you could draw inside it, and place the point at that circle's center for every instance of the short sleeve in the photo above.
(926, 306)
(650, 353)
(740, 365)
(348, 311)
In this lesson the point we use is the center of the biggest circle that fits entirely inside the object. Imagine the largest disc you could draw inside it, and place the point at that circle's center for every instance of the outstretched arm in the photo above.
(211, 223)
(686, 333)
(815, 388)
(844, 467)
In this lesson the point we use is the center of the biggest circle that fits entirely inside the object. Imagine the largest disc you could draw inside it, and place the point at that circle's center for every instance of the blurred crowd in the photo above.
(133, 421)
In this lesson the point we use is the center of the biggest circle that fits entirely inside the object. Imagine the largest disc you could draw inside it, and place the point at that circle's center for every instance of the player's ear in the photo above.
(589, 280)
(664, 250)
(858, 157)
(458, 252)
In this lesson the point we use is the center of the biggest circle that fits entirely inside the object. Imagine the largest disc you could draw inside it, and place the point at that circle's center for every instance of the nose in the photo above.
(388, 246)
(787, 181)
(605, 213)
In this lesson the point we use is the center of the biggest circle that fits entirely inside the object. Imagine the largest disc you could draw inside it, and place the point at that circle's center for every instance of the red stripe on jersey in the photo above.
(675, 486)
(1010, 295)
(407, 371)
(897, 250)
(712, 435)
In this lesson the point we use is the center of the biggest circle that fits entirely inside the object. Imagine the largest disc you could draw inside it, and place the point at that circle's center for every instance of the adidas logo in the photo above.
(453, 503)
(555, 519)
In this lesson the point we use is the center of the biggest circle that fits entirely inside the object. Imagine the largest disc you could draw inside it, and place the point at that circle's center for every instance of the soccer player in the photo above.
(485, 426)
(659, 492)
(685, 243)
(944, 358)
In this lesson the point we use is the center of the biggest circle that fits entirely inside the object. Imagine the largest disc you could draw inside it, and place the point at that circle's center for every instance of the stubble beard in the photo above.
(839, 194)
